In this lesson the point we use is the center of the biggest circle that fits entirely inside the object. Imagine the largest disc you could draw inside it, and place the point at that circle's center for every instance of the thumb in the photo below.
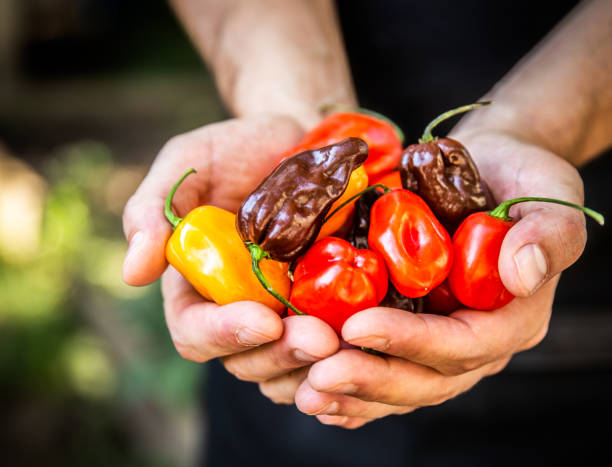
(147, 232)
(547, 240)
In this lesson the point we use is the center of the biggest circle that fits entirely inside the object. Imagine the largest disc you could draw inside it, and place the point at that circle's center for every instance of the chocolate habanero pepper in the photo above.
(282, 217)
(335, 280)
(358, 237)
(206, 249)
(415, 246)
(442, 172)
(474, 278)
(384, 140)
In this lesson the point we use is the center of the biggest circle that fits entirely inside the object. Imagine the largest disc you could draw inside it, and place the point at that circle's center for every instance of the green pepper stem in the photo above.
(348, 108)
(502, 211)
(352, 198)
(173, 218)
(257, 254)
(428, 137)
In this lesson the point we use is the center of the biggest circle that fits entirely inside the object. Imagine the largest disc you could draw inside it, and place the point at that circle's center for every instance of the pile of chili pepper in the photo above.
(349, 220)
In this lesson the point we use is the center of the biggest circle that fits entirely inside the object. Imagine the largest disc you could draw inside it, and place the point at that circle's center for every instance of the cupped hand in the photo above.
(231, 158)
(431, 358)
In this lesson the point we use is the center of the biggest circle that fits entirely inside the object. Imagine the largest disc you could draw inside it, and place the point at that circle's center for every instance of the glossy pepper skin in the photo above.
(443, 173)
(383, 139)
(357, 183)
(390, 179)
(206, 249)
(284, 214)
(415, 246)
(358, 237)
(474, 278)
(441, 300)
(334, 280)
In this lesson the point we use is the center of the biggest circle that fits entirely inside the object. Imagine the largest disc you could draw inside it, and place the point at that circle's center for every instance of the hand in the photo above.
(429, 358)
(231, 158)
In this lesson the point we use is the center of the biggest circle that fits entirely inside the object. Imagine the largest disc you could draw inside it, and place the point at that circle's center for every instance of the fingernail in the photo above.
(372, 342)
(248, 337)
(302, 356)
(531, 266)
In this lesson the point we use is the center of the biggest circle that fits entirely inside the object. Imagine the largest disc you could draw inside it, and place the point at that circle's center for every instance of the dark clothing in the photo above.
(411, 61)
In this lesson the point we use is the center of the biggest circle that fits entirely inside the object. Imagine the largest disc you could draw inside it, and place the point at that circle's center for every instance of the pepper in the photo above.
(284, 214)
(334, 280)
(384, 140)
(357, 183)
(358, 237)
(415, 246)
(474, 278)
(442, 172)
(383, 137)
(441, 300)
(391, 179)
(206, 249)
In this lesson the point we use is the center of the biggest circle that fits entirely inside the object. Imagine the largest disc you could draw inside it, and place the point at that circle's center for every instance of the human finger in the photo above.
(454, 344)
(281, 390)
(202, 330)
(391, 380)
(305, 340)
(313, 402)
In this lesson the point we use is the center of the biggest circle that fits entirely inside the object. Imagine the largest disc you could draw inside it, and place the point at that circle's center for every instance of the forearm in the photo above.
(273, 55)
(559, 96)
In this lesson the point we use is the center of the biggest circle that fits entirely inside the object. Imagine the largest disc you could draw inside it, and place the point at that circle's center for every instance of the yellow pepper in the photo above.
(357, 183)
(207, 250)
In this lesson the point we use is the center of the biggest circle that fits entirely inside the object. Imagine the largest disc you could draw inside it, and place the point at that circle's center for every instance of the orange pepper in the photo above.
(207, 250)
(357, 183)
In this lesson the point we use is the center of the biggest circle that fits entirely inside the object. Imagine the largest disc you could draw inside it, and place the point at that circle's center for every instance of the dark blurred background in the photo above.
(89, 92)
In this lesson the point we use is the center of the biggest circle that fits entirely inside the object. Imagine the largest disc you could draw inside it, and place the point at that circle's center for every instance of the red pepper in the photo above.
(474, 278)
(441, 300)
(390, 179)
(383, 138)
(335, 280)
(416, 248)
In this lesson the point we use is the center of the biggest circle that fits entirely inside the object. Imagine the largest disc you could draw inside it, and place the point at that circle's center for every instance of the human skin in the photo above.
(552, 113)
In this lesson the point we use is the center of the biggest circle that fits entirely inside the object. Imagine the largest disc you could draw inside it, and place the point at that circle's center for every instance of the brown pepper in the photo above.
(284, 214)
(443, 173)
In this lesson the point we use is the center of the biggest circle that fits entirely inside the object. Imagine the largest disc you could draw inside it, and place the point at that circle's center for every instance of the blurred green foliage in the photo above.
(86, 363)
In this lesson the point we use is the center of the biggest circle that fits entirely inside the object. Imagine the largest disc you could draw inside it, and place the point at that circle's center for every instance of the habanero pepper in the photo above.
(391, 179)
(415, 246)
(283, 216)
(335, 280)
(442, 172)
(358, 237)
(206, 249)
(384, 140)
(474, 278)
